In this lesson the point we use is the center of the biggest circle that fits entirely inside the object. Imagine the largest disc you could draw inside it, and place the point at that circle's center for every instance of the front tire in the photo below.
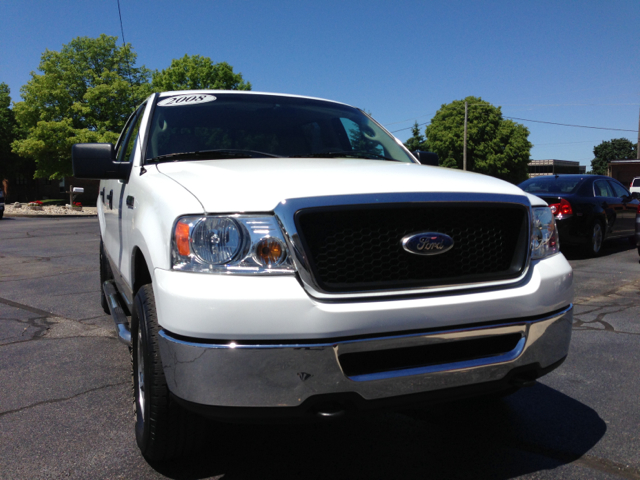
(593, 248)
(163, 429)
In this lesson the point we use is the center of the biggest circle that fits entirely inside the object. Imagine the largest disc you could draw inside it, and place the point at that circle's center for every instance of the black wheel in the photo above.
(1, 214)
(164, 430)
(105, 274)
(595, 240)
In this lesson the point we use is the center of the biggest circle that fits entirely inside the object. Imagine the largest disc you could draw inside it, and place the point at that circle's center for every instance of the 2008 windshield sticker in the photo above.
(186, 100)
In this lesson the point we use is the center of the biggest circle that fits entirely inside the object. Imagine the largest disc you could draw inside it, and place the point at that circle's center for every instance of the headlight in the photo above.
(544, 234)
(243, 244)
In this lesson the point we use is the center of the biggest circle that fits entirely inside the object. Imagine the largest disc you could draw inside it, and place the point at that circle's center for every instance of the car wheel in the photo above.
(164, 430)
(595, 240)
(105, 274)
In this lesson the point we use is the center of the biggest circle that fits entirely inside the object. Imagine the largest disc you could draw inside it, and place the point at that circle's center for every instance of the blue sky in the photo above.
(572, 62)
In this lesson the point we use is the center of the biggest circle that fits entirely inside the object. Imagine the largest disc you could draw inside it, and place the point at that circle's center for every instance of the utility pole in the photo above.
(464, 152)
(638, 144)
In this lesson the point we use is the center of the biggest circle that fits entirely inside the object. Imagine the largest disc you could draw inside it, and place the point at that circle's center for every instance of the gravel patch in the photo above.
(23, 210)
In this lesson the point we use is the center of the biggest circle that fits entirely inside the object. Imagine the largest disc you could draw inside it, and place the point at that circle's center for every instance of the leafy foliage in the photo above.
(84, 93)
(417, 140)
(495, 146)
(616, 149)
(9, 162)
(196, 73)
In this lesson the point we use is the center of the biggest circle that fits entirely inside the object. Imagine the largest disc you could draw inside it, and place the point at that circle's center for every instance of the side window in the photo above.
(126, 151)
(601, 188)
(619, 190)
(123, 134)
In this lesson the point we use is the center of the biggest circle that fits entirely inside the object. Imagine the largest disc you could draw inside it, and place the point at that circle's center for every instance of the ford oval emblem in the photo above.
(427, 243)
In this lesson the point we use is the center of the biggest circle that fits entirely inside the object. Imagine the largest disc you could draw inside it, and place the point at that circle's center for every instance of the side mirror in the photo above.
(427, 158)
(96, 161)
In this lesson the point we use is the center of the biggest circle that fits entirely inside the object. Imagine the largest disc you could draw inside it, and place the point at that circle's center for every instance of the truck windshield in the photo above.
(228, 125)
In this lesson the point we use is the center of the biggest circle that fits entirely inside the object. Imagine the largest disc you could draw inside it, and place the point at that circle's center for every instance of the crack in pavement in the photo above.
(95, 290)
(22, 306)
(586, 460)
(47, 234)
(50, 326)
(38, 259)
(40, 328)
(58, 400)
(584, 324)
(38, 276)
(608, 466)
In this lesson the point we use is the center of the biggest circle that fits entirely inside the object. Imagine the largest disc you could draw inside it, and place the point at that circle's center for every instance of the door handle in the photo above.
(110, 198)
(130, 201)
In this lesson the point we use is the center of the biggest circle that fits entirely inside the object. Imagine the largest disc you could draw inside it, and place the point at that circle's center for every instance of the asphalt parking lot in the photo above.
(66, 404)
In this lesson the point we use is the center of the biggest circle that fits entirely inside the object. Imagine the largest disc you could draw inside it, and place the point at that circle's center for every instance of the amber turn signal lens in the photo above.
(182, 239)
(269, 251)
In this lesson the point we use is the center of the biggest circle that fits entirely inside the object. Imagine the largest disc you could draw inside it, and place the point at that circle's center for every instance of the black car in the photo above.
(589, 209)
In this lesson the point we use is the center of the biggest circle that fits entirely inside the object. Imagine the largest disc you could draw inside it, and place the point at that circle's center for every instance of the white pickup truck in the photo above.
(282, 256)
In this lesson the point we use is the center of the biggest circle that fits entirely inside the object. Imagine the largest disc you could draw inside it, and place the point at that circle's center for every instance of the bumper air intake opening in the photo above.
(379, 361)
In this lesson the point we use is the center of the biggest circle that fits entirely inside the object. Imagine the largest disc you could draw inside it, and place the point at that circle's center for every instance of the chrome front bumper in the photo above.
(286, 374)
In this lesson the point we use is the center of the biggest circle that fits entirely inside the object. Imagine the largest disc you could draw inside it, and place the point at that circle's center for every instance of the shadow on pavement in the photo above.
(535, 429)
(609, 247)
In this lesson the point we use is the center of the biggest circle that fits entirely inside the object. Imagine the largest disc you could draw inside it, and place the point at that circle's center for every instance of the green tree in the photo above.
(196, 73)
(495, 146)
(9, 162)
(84, 93)
(417, 140)
(616, 149)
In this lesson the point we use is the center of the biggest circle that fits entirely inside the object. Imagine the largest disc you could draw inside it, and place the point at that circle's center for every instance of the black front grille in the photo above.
(358, 248)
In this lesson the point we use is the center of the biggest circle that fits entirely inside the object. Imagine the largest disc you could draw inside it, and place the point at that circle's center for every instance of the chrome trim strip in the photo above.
(286, 210)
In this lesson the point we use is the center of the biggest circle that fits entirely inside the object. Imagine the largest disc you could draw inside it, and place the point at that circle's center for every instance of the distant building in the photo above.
(554, 167)
(624, 170)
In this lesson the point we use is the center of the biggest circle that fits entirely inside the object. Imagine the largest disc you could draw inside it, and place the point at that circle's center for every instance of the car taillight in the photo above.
(563, 208)
(638, 209)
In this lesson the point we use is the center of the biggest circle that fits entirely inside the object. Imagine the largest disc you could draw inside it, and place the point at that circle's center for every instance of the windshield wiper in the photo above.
(348, 153)
(220, 153)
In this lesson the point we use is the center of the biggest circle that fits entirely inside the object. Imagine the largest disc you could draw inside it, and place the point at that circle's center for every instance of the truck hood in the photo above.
(260, 184)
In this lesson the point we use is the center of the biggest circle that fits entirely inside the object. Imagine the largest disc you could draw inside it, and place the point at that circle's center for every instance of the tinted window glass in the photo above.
(619, 190)
(551, 184)
(126, 152)
(123, 134)
(275, 125)
(601, 188)
(636, 182)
